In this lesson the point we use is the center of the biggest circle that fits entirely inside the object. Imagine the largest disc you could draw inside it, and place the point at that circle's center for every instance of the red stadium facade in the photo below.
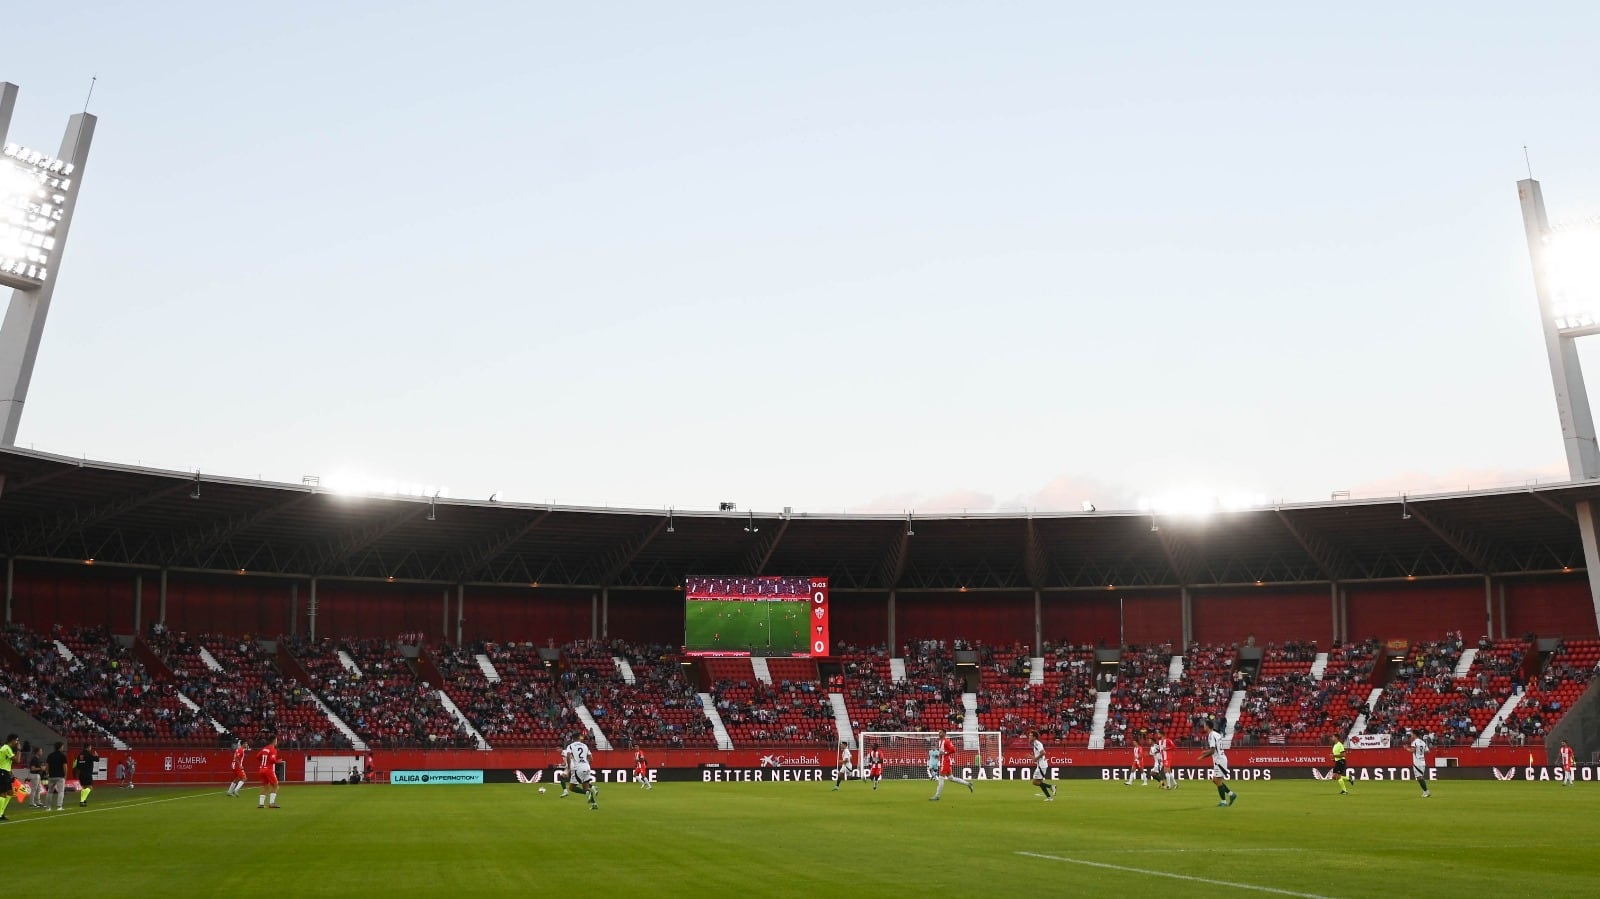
(127, 552)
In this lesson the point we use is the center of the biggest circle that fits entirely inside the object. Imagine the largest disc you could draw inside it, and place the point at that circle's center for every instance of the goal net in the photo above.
(905, 753)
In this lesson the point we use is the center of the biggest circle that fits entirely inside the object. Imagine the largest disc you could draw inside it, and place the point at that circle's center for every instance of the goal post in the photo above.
(905, 753)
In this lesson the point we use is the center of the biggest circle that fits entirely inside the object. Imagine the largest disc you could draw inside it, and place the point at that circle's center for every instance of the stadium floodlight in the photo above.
(1198, 504)
(33, 196)
(1566, 281)
(349, 483)
(1572, 272)
(38, 192)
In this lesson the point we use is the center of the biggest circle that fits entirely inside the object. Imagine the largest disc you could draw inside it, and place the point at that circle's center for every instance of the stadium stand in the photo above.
(97, 687)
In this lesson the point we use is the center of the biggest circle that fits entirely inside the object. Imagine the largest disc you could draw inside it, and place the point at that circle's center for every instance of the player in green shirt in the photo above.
(8, 756)
(1339, 766)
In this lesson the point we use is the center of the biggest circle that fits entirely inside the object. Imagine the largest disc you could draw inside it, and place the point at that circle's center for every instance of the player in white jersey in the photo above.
(1217, 751)
(1566, 763)
(1041, 767)
(1158, 759)
(841, 768)
(579, 773)
(933, 762)
(1169, 759)
(1419, 760)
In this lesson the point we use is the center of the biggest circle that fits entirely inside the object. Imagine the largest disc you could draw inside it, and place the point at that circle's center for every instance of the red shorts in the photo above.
(875, 772)
(269, 777)
(238, 774)
(944, 768)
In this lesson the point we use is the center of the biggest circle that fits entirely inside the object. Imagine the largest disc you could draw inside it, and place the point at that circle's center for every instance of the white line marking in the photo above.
(52, 816)
(1197, 851)
(1220, 883)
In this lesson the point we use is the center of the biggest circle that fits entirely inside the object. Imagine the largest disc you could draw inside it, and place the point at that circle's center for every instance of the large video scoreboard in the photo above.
(761, 616)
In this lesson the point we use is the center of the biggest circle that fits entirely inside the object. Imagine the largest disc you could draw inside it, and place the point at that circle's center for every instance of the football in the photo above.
(541, 789)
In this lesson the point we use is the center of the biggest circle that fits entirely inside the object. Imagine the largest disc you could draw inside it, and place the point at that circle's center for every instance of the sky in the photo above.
(852, 256)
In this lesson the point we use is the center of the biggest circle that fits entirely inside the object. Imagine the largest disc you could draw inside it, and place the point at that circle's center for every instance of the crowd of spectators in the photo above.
(382, 701)
(88, 685)
(522, 707)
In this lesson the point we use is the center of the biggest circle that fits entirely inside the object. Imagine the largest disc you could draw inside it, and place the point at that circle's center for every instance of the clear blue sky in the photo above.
(827, 255)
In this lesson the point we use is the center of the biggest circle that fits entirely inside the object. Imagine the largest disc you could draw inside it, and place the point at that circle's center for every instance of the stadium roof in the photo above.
(72, 510)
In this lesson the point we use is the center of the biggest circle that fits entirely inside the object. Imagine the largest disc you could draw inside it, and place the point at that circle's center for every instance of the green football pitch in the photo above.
(760, 627)
(1286, 838)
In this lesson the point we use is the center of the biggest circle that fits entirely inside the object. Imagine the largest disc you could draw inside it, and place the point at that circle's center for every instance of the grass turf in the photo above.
(747, 626)
(802, 839)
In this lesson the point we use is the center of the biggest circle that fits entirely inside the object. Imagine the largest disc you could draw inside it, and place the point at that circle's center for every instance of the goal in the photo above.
(905, 753)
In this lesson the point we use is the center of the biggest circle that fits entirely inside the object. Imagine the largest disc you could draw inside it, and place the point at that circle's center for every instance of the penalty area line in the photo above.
(1189, 877)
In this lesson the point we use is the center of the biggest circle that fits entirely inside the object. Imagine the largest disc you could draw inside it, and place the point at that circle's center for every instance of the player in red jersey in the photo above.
(1169, 758)
(641, 770)
(1138, 766)
(875, 766)
(239, 778)
(1566, 763)
(269, 775)
(947, 752)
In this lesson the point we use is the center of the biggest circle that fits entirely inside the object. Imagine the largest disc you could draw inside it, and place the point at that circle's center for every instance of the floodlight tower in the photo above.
(37, 195)
(1566, 278)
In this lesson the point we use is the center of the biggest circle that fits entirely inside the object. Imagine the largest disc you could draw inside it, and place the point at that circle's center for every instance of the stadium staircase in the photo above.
(969, 721)
(582, 711)
(1175, 670)
(1102, 714)
(718, 729)
(108, 737)
(113, 739)
(195, 707)
(841, 718)
(1235, 708)
(897, 671)
(1036, 671)
(625, 670)
(288, 665)
(1493, 727)
(153, 663)
(487, 667)
(461, 720)
(349, 663)
(1319, 667)
(1464, 667)
(426, 669)
(1360, 725)
(210, 660)
(356, 742)
(759, 666)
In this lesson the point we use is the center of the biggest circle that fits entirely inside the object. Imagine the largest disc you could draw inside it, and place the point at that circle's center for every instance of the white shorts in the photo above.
(1040, 773)
(1219, 766)
(845, 771)
(582, 775)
